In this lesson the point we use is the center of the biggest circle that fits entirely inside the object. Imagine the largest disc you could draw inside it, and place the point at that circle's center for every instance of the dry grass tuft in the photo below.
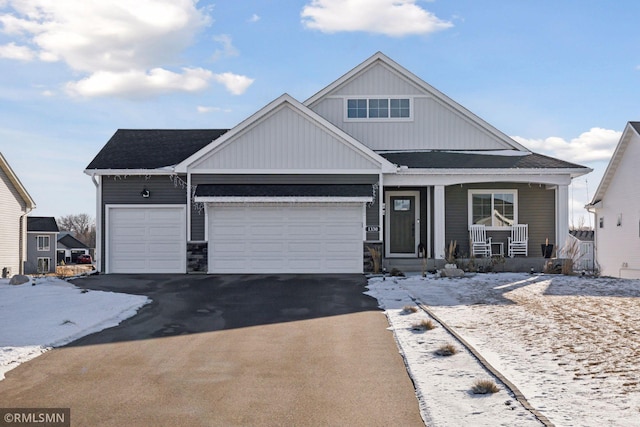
(446, 350)
(409, 309)
(484, 387)
(423, 325)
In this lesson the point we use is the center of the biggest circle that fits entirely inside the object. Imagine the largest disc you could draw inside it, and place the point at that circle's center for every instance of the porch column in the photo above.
(562, 216)
(438, 222)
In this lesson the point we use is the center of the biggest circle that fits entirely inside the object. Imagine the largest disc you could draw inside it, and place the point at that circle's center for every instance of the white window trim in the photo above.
(470, 194)
(43, 248)
(48, 265)
(345, 101)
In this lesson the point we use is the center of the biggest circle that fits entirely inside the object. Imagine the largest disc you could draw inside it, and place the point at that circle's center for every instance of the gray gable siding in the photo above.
(435, 125)
(198, 217)
(31, 263)
(536, 207)
(12, 207)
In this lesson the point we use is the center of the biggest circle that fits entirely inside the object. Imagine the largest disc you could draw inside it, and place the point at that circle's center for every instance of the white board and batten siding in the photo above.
(618, 246)
(285, 238)
(284, 141)
(434, 125)
(146, 239)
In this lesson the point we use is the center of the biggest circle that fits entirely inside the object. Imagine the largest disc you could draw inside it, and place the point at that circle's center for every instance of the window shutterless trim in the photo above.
(43, 247)
(492, 192)
(387, 111)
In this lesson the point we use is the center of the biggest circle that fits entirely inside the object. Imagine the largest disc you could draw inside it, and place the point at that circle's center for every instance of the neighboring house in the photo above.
(15, 204)
(616, 205)
(42, 235)
(377, 157)
(580, 247)
(69, 248)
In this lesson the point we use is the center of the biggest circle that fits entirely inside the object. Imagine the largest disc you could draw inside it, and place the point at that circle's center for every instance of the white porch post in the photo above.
(438, 222)
(562, 216)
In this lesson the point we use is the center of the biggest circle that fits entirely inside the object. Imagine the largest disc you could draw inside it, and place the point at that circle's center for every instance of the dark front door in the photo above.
(402, 226)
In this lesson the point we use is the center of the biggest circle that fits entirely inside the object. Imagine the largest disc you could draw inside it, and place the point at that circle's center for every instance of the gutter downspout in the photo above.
(98, 249)
(23, 242)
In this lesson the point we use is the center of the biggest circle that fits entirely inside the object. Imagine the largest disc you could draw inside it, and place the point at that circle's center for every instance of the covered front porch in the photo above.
(424, 221)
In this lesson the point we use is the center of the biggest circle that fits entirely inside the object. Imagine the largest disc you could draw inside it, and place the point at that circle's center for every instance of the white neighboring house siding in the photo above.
(11, 209)
(618, 247)
(12, 225)
(434, 125)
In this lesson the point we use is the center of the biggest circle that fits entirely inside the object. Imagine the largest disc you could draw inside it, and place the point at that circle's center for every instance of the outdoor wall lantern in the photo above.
(145, 193)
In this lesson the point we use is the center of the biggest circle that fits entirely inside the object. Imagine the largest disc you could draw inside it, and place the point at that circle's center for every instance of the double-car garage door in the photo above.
(285, 238)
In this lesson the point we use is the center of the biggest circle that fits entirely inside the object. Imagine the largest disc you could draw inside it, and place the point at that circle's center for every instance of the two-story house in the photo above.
(42, 236)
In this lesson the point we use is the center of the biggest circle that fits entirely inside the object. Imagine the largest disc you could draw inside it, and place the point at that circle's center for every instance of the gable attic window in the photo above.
(378, 108)
(495, 209)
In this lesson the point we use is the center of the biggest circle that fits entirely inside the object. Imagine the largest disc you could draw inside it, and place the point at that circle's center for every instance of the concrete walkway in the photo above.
(231, 350)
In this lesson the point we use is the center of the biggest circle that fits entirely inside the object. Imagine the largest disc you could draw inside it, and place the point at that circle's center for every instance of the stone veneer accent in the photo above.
(197, 257)
(368, 261)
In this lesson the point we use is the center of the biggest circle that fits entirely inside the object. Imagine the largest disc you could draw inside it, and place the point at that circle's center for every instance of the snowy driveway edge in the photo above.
(443, 384)
(49, 312)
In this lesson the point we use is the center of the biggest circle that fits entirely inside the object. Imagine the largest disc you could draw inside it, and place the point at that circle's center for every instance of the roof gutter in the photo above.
(129, 172)
(573, 172)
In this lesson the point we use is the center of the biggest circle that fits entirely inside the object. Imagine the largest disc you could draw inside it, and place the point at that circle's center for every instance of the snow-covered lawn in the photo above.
(33, 319)
(571, 345)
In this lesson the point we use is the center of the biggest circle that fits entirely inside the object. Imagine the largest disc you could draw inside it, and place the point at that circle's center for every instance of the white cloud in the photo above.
(254, 18)
(139, 84)
(235, 83)
(227, 47)
(13, 51)
(92, 35)
(390, 17)
(122, 47)
(597, 144)
(203, 109)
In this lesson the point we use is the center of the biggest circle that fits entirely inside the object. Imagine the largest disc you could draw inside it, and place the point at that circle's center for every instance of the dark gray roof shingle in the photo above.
(152, 148)
(71, 242)
(277, 190)
(584, 235)
(450, 159)
(46, 224)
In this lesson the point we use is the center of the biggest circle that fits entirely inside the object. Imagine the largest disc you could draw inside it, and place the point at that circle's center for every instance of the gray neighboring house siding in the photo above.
(41, 227)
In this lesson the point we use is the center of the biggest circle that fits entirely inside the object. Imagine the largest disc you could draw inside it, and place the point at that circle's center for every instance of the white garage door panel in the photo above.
(286, 238)
(146, 240)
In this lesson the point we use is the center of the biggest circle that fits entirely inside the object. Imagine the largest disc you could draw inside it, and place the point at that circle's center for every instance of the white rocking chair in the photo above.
(480, 244)
(518, 242)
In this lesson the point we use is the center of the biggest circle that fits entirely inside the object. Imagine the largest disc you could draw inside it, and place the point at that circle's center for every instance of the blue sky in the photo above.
(560, 77)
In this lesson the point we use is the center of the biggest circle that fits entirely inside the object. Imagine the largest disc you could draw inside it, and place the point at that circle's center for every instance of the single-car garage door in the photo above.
(146, 239)
(285, 238)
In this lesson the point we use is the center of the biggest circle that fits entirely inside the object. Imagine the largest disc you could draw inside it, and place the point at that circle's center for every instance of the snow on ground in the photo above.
(33, 319)
(570, 344)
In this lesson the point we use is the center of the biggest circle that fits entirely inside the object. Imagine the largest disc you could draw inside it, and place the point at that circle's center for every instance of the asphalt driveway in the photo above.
(228, 350)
